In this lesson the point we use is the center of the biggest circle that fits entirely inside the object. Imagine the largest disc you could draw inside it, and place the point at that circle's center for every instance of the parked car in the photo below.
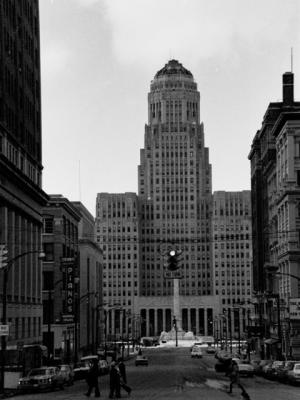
(266, 368)
(261, 365)
(44, 378)
(293, 376)
(255, 365)
(67, 373)
(245, 368)
(196, 352)
(272, 371)
(282, 372)
(81, 369)
(210, 350)
(141, 360)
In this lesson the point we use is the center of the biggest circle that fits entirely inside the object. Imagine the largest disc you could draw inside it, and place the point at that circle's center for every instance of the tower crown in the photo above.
(173, 67)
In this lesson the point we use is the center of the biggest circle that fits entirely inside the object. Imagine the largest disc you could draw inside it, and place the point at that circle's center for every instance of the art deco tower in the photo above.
(175, 186)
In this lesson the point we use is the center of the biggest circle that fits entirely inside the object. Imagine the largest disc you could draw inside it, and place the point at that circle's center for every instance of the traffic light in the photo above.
(3, 256)
(173, 261)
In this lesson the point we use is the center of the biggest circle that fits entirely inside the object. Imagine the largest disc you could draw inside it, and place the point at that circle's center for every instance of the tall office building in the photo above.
(21, 195)
(232, 256)
(117, 234)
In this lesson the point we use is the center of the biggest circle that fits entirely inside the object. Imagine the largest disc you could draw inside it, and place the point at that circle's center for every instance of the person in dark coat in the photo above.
(114, 381)
(123, 380)
(92, 379)
(233, 373)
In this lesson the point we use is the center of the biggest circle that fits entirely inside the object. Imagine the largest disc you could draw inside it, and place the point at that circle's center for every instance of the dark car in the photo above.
(81, 370)
(282, 374)
(272, 371)
(44, 378)
(210, 350)
(141, 360)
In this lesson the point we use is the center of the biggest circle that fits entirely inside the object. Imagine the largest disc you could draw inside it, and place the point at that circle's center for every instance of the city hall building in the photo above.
(173, 210)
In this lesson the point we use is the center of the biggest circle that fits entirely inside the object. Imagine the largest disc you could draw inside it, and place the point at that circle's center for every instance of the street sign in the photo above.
(4, 330)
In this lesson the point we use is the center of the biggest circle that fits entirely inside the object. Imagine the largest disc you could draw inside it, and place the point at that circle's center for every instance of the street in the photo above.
(173, 374)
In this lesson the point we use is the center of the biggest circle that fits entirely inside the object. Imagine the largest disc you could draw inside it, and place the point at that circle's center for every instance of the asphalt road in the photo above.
(173, 374)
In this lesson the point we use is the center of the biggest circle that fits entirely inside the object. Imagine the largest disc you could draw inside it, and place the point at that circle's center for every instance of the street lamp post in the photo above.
(4, 305)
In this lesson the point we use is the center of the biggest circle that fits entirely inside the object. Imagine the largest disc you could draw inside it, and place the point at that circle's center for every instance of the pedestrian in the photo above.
(92, 379)
(233, 373)
(123, 377)
(114, 381)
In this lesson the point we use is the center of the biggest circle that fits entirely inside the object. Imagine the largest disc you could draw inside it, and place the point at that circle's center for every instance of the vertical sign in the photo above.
(68, 264)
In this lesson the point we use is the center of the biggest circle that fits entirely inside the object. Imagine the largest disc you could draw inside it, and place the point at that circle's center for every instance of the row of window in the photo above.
(24, 327)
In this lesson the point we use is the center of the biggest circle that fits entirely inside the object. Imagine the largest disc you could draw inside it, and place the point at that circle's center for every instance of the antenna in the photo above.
(79, 181)
(292, 59)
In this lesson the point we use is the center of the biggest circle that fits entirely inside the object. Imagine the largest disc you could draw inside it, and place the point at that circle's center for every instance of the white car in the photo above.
(293, 376)
(196, 352)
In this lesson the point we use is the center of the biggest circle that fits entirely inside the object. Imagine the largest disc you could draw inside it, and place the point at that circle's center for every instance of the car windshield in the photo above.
(40, 371)
(297, 366)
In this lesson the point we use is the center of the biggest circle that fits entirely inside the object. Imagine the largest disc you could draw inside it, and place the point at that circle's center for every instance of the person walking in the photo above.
(233, 373)
(123, 377)
(92, 379)
(114, 381)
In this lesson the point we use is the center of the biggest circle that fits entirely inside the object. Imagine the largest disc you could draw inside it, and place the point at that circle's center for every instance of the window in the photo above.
(48, 225)
(48, 280)
(298, 178)
(49, 251)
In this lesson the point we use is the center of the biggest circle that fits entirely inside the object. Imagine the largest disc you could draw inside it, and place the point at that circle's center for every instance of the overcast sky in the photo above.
(99, 57)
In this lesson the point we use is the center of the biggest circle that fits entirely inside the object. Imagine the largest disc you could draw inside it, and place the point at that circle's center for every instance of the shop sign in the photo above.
(70, 287)
(294, 308)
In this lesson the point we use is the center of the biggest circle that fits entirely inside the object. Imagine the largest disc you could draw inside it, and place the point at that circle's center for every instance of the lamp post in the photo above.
(4, 304)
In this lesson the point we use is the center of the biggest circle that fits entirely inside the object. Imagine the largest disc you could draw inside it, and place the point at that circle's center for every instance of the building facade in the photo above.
(60, 272)
(173, 210)
(117, 233)
(232, 258)
(90, 294)
(275, 180)
(21, 194)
